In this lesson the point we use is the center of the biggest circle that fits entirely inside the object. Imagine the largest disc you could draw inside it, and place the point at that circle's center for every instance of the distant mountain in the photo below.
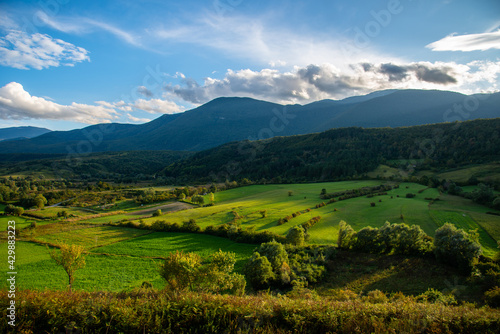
(231, 119)
(21, 132)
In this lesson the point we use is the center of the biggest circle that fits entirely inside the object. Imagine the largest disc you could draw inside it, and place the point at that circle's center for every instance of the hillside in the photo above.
(341, 153)
(232, 119)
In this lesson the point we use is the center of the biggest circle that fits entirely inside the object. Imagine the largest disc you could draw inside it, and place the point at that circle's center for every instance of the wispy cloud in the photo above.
(472, 42)
(38, 51)
(258, 39)
(18, 104)
(316, 82)
(83, 25)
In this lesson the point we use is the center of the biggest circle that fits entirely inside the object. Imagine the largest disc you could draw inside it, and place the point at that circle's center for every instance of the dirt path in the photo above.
(172, 207)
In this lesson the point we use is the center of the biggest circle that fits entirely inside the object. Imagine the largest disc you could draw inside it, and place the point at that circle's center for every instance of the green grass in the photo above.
(485, 173)
(51, 212)
(36, 270)
(384, 171)
(160, 244)
(125, 265)
(21, 222)
(93, 236)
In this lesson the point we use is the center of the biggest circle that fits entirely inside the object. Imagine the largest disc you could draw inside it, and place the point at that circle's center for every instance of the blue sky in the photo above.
(66, 64)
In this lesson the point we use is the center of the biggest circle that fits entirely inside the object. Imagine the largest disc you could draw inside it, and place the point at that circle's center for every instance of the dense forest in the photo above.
(342, 153)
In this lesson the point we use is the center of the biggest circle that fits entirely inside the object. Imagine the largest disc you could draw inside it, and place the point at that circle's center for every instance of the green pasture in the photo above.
(160, 244)
(93, 236)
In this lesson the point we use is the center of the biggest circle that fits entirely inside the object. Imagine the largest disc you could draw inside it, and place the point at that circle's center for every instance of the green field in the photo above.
(242, 205)
(125, 265)
(122, 258)
(484, 173)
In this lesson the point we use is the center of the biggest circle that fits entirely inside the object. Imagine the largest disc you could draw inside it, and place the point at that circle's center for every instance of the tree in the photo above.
(296, 235)
(211, 197)
(259, 271)
(14, 210)
(483, 194)
(346, 236)
(457, 247)
(40, 201)
(180, 270)
(263, 213)
(181, 197)
(157, 213)
(188, 271)
(190, 226)
(71, 258)
(198, 199)
(275, 253)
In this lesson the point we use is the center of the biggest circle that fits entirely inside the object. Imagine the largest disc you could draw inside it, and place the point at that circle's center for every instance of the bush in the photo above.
(492, 297)
(346, 236)
(435, 296)
(190, 226)
(296, 236)
(157, 213)
(410, 195)
(375, 297)
(372, 204)
(457, 247)
(259, 271)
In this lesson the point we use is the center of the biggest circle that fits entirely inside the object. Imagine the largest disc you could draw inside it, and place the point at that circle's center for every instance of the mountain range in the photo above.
(21, 132)
(230, 119)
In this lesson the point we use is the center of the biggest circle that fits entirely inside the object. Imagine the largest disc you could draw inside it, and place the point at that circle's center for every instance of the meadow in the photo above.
(243, 205)
(122, 258)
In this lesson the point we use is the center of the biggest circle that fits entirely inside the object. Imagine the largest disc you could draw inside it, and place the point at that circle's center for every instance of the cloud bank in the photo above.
(316, 82)
(38, 51)
(18, 104)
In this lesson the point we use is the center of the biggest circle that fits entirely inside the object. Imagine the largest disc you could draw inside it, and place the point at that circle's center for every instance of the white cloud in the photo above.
(18, 104)
(38, 51)
(316, 82)
(138, 120)
(472, 42)
(156, 106)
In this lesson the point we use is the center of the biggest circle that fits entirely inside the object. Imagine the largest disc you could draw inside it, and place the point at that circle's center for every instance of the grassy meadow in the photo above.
(121, 258)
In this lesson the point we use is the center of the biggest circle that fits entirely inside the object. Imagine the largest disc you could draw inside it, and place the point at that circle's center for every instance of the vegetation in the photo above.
(71, 258)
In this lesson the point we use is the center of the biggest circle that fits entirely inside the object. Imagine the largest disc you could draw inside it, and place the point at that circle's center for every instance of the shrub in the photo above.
(375, 297)
(263, 213)
(346, 236)
(190, 226)
(157, 213)
(259, 271)
(410, 195)
(435, 296)
(372, 204)
(275, 253)
(457, 247)
(492, 297)
(296, 236)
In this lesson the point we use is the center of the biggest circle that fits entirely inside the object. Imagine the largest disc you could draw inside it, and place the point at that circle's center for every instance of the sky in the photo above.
(67, 64)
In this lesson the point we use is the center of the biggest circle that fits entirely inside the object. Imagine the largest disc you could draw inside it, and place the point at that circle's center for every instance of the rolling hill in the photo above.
(231, 119)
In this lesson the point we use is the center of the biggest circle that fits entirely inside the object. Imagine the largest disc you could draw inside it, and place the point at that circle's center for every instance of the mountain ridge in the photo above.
(228, 119)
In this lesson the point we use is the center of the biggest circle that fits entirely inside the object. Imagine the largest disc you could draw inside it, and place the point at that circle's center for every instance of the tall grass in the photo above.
(148, 311)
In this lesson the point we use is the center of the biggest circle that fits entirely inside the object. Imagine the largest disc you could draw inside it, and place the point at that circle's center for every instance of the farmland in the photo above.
(123, 257)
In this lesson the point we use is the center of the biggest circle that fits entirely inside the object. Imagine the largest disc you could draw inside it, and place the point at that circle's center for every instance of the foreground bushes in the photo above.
(147, 311)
